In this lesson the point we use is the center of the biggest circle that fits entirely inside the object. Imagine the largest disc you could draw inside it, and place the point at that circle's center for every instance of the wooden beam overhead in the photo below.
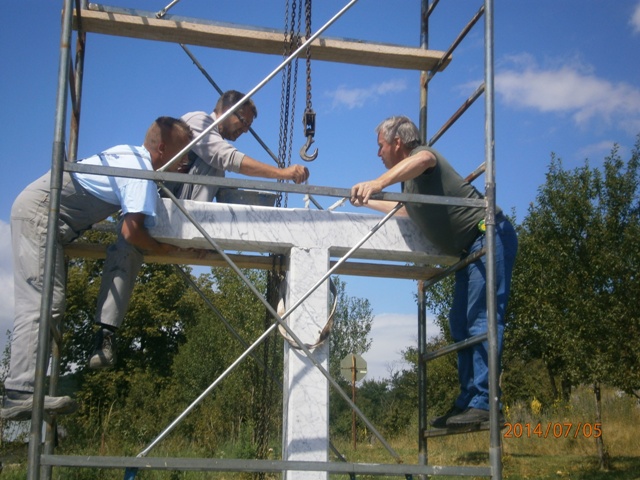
(194, 32)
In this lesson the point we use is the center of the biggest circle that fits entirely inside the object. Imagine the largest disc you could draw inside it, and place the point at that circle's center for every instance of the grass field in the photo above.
(555, 442)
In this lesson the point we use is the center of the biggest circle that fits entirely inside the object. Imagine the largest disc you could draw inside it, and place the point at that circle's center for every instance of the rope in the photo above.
(326, 330)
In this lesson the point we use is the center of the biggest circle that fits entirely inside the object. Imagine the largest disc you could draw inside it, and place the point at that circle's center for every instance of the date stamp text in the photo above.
(553, 430)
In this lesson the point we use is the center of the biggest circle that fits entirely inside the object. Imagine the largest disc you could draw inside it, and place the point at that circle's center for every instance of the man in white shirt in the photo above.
(212, 155)
(85, 199)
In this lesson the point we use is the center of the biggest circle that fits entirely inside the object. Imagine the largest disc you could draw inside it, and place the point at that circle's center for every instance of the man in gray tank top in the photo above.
(455, 230)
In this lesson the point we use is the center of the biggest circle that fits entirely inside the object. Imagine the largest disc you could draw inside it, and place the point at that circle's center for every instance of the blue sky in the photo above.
(566, 82)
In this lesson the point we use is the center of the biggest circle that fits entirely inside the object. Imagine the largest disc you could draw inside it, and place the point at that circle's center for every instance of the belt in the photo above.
(482, 229)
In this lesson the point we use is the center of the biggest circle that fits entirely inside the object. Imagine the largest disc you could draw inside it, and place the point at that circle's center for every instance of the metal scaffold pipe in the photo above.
(279, 320)
(42, 358)
(258, 87)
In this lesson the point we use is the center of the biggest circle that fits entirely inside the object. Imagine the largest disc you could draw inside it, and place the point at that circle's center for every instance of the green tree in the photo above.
(244, 407)
(351, 327)
(124, 401)
(575, 286)
(438, 300)
(172, 346)
(350, 334)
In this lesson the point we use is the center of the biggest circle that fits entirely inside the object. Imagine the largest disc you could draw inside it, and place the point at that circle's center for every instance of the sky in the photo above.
(566, 82)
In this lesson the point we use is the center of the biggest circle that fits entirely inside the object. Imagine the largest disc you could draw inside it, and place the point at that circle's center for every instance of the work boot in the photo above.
(472, 416)
(104, 353)
(441, 421)
(18, 405)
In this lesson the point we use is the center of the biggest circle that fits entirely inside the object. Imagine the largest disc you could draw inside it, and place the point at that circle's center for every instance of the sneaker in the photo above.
(441, 422)
(471, 416)
(18, 405)
(104, 353)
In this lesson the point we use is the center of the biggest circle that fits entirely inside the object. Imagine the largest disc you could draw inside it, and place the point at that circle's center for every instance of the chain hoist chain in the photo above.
(266, 417)
(294, 44)
(283, 96)
(291, 42)
(309, 120)
(308, 34)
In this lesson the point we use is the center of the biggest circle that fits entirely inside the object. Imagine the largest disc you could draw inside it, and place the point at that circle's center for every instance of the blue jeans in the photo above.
(468, 315)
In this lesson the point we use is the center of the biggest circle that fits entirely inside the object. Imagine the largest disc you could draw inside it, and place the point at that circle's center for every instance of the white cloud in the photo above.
(357, 97)
(597, 150)
(6, 283)
(635, 19)
(573, 89)
(391, 333)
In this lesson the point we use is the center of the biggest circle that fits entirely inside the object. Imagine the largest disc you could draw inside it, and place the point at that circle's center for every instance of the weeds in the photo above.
(529, 454)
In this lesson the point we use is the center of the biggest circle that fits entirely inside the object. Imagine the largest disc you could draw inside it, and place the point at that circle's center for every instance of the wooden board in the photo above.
(262, 262)
(193, 32)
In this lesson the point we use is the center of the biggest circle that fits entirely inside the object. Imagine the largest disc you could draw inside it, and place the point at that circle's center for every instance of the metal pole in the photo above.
(208, 390)
(455, 43)
(164, 11)
(57, 160)
(353, 399)
(77, 95)
(454, 347)
(458, 113)
(269, 185)
(187, 278)
(495, 449)
(425, 12)
(259, 86)
(213, 83)
(81, 43)
(75, 83)
(422, 375)
(279, 320)
(424, 84)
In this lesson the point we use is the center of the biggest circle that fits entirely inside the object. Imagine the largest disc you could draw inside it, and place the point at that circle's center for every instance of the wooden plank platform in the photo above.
(144, 25)
(262, 262)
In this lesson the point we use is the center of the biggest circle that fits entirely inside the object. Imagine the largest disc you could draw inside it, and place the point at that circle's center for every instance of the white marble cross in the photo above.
(309, 238)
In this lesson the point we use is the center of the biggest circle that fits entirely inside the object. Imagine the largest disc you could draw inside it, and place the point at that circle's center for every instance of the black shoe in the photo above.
(104, 353)
(470, 417)
(441, 422)
(17, 405)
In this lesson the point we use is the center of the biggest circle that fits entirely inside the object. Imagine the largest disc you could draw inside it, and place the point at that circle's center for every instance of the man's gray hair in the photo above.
(401, 127)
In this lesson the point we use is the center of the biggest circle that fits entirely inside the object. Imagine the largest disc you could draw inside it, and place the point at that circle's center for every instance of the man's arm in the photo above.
(404, 170)
(255, 168)
(134, 232)
(385, 206)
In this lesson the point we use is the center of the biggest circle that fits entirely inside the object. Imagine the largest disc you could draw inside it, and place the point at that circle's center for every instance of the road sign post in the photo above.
(353, 368)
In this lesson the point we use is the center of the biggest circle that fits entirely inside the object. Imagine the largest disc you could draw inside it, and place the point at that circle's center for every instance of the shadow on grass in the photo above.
(473, 458)
(624, 468)
(522, 465)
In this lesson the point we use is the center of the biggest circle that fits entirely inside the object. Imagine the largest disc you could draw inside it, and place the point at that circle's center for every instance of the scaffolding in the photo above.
(112, 21)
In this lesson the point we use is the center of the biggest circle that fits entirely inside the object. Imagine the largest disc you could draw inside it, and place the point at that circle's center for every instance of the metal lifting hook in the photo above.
(305, 148)
(309, 131)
